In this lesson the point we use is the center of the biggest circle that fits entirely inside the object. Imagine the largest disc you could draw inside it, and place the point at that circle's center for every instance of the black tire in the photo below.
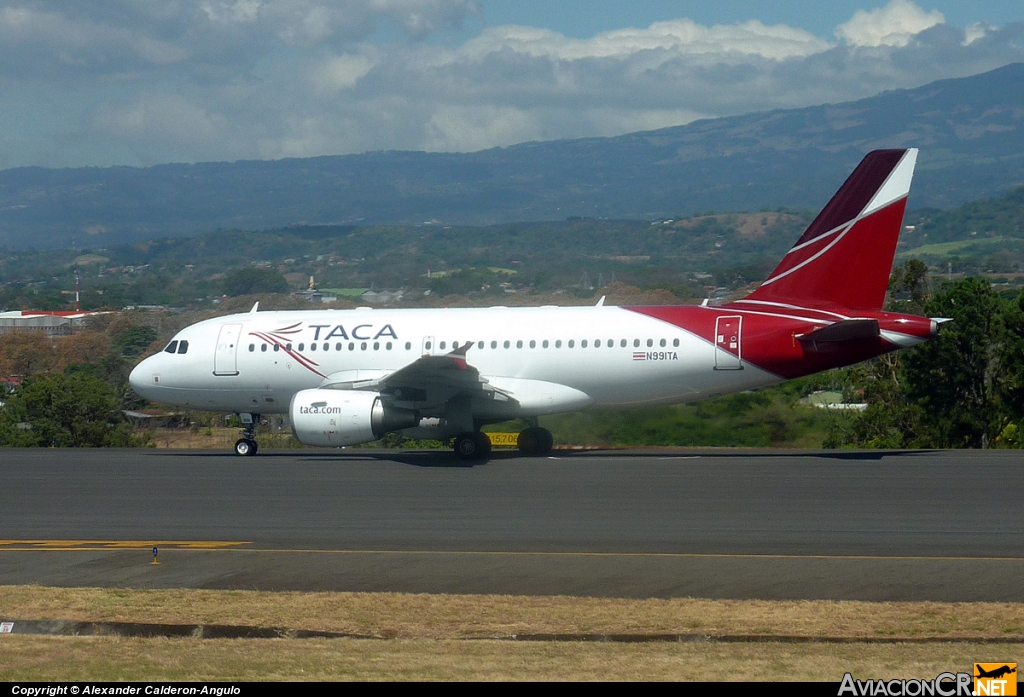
(245, 447)
(472, 446)
(535, 441)
(483, 444)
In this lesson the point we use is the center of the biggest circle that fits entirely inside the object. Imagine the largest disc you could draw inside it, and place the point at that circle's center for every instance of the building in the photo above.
(52, 323)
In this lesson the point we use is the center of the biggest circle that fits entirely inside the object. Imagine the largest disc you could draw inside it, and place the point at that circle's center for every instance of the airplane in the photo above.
(995, 673)
(350, 376)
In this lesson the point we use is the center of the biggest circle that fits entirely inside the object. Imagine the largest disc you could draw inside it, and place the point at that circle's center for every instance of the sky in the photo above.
(142, 82)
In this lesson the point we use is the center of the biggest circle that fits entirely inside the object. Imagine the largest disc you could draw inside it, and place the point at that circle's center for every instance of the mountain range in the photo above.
(970, 131)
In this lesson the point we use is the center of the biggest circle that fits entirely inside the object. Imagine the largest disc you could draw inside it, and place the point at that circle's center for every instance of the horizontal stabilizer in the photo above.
(847, 330)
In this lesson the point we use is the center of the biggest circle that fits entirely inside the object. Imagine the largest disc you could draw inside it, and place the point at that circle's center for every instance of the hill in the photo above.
(970, 130)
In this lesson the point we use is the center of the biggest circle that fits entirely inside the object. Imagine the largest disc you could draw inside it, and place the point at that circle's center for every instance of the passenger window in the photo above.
(583, 344)
(494, 344)
(352, 346)
(327, 347)
(597, 343)
(636, 343)
(376, 345)
(533, 344)
(277, 347)
(312, 347)
(408, 345)
(662, 342)
(545, 344)
(363, 346)
(388, 346)
(675, 342)
(558, 344)
(572, 343)
(480, 344)
(252, 347)
(288, 347)
(337, 346)
(622, 343)
(650, 343)
(611, 343)
(182, 347)
(519, 344)
(443, 344)
(507, 344)
(263, 348)
(172, 347)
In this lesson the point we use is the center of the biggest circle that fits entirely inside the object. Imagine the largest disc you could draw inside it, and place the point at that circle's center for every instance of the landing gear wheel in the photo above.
(245, 447)
(535, 441)
(472, 445)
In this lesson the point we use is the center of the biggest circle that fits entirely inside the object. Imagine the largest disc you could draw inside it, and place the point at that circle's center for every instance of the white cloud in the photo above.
(340, 72)
(978, 30)
(147, 81)
(679, 37)
(893, 25)
(469, 128)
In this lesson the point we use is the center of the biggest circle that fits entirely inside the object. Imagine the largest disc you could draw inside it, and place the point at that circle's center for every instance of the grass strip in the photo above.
(442, 617)
(113, 658)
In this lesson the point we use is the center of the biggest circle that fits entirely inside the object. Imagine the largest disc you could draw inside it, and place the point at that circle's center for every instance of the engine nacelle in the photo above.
(344, 417)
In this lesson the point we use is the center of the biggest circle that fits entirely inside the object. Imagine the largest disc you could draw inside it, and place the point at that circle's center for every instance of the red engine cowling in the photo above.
(344, 417)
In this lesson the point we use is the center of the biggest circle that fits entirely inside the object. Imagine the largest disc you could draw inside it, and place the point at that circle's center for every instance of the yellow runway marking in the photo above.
(101, 545)
(210, 546)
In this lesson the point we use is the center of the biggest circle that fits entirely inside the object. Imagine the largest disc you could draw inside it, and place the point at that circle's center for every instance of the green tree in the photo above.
(74, 410)
(956, 378)
(134, 340)
(253, 281)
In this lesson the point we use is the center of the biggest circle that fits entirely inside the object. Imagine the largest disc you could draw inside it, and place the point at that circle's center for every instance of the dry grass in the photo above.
(107, 658)
(420, 616)
(437, 637)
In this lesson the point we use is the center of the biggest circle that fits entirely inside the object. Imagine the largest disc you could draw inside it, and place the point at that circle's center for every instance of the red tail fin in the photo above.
(845, 256)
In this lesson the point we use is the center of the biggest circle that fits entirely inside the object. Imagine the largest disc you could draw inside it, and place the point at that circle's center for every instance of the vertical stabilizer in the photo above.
(845, 257)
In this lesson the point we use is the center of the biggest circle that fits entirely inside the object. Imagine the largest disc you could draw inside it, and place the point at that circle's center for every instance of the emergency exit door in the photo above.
(225, 357)
(729, 343)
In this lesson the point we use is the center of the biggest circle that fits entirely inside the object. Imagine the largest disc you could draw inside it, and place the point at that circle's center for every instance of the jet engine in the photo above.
(344, 417)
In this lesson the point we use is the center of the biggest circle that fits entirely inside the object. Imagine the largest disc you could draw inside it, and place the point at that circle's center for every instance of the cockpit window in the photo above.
(182, 347)
(172, 347)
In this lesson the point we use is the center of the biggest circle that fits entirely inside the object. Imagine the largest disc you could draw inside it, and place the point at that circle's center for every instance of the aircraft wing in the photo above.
(428, 380)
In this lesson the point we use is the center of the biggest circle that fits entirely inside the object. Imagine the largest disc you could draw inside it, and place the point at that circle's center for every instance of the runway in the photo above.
(944, 526)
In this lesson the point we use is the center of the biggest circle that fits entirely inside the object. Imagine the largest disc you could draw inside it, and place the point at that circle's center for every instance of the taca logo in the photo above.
(319, 409)
(363, 332)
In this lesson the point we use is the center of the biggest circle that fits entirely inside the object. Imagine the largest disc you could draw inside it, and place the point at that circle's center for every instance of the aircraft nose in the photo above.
(144, 377)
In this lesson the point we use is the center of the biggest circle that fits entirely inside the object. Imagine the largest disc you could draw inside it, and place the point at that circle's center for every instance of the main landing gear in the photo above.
(535, 441)
(246, 445)
(474, 445)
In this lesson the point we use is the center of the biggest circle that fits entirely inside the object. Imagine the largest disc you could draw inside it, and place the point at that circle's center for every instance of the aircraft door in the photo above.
(225, 358)
(728, 343)
(429, 346)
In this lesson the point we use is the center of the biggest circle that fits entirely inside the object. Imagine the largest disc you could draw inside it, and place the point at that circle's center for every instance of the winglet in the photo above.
(600, 303)
(255, 307)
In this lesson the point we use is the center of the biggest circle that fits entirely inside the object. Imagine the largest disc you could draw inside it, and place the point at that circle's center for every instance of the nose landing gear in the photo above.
(246, 445)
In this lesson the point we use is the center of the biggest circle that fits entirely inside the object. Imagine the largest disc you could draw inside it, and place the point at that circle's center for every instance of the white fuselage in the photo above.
(550, 359)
